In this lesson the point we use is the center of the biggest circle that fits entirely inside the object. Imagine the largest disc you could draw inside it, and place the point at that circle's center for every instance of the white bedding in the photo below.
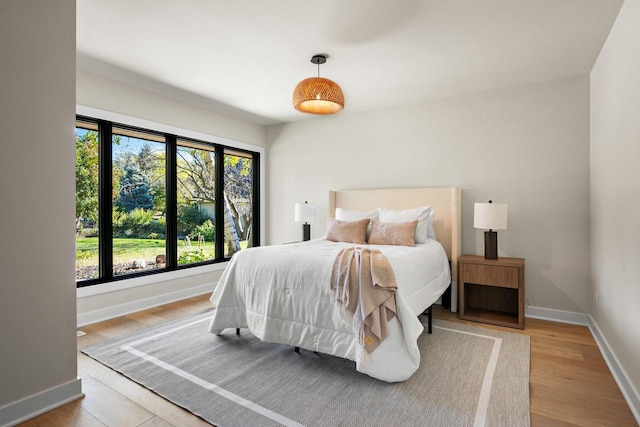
(282, 294)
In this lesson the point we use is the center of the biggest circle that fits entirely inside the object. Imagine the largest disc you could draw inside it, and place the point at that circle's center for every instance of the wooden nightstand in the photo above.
(491, 290)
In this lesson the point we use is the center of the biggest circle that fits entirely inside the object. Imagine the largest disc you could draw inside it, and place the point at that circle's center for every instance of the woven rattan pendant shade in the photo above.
(317, 95)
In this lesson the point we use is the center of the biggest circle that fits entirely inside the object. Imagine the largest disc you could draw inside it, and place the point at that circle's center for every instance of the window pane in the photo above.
(87, 226)
(196, 202)
(238, 208)
(139, 201)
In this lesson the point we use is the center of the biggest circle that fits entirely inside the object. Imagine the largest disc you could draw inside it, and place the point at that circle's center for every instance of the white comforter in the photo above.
(282, 294)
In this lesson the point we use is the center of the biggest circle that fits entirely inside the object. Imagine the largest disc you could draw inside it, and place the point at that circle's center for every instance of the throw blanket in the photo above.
(364, 287)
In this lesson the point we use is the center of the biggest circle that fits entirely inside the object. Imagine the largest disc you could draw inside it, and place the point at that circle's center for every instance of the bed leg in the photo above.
(430, 315)
(297, 349)
(237, 331)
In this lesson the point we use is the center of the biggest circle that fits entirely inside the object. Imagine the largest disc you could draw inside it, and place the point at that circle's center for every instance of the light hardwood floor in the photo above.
(570, 382)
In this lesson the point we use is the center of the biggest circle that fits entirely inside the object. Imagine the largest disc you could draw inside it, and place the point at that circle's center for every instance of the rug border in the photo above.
(481, 410)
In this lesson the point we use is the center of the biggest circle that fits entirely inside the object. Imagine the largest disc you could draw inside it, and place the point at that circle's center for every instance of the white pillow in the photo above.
(343, 214)
(421, 214)
(431, 232)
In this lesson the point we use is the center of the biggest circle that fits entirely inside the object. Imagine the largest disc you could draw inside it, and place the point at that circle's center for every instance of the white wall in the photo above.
(106, 94)
(615, 191)
(37, 284)
(137, 106)
(526, 146)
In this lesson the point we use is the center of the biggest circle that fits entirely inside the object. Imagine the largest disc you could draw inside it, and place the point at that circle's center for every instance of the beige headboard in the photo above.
(447, 202)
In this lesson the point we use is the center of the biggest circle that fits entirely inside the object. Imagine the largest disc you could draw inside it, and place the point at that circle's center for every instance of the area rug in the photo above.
(469, 376)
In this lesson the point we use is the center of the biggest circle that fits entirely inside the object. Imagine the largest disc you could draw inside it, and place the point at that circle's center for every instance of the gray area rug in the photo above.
(469, 376)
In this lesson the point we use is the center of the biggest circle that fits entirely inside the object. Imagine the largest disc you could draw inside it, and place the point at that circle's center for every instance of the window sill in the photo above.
(119, 285)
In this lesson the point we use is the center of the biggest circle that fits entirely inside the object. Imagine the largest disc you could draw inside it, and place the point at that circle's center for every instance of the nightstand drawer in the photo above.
(492, 275)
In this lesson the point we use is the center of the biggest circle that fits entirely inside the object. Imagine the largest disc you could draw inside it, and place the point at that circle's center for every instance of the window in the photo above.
(148, 202)
(196, 202)
(238, 205)
(138, 201)
(87, 225)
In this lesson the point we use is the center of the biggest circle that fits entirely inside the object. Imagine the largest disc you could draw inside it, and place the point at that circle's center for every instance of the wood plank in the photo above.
(111, 407)
(564, 405)
(156, 422)
(91, 367)
(539, 420)
(147, 318)
(584, 388)
(150, 401)
(71, 414)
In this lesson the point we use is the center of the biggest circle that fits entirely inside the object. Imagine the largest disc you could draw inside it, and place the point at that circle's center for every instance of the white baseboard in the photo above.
(627, 388)
(629, 392)
(45, 401)
(142, 304)
(557, 315)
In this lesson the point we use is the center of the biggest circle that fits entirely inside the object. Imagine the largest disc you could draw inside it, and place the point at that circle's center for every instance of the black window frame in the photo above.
(105, 203)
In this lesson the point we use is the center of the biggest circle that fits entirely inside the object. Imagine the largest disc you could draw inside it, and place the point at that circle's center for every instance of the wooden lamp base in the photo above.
(490, 245)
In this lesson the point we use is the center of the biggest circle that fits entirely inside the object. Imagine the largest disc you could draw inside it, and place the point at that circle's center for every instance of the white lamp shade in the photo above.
(490, 216)
(305, 212)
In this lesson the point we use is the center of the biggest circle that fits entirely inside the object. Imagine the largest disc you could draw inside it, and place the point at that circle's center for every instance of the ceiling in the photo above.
(244, 57)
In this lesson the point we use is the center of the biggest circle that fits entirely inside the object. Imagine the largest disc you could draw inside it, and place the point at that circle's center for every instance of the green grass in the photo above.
(126, 250)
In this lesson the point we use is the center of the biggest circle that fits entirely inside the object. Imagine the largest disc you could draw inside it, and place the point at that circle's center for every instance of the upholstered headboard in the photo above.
(447, 203)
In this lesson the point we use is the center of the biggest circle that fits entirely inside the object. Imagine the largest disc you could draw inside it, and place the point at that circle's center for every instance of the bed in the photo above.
(281, 293)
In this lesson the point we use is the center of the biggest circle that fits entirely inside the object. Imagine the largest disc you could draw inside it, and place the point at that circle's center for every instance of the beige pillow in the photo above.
(422, 214)
(393, 233)
(350, 232)
(343, 214)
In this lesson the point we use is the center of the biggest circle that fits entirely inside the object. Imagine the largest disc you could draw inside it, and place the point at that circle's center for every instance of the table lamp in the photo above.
(305, 212)
(492, 216)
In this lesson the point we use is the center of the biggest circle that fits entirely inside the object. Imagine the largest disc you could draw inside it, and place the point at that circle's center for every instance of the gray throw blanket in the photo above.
(364, 289)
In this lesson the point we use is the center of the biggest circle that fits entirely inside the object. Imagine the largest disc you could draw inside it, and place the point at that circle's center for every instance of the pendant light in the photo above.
(317, 95)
